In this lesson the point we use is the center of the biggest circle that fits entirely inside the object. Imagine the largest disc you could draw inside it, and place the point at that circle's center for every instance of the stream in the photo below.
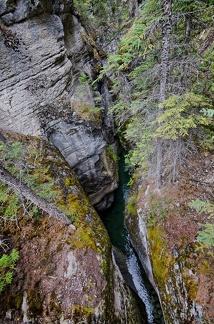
(113, 220)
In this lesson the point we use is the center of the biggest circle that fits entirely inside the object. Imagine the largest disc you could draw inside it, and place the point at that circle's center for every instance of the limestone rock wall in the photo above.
(35, 69)
(43, 53)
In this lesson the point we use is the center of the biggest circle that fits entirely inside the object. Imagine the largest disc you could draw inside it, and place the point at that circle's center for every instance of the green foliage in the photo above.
(12, 152)
(140, 135)
(204, 84)
(22, 163)
(9, 203)
(88, 8)
(180, 115)
(201, 206)
(7, 265)
(15, 151)
(3, 194)
(81, 103)
(83, 78)
(139, 40)
(102, 18)
(131, 204)
(206, 235)
(208, 112)
(34, 212)
(135, 71)
(12, 207)
(130, 111)
(112, 153)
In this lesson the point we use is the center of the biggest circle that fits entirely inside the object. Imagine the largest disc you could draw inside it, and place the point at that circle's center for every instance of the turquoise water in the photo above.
(113, 220)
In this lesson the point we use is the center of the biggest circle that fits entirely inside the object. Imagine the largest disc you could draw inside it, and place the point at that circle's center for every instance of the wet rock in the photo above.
(121, 276)
(120, 259)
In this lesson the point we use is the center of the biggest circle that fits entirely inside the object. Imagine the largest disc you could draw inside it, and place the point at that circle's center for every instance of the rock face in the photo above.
(64, 274)
(84, 149)
(44, 50)
(164, 234)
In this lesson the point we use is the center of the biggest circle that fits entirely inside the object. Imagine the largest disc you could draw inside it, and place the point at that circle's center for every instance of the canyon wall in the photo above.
(44, 52)
(64, 273)
(164, 230)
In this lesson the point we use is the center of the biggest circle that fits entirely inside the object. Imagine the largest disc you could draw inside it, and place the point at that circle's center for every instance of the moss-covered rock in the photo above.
(164, 234)
(64, 272)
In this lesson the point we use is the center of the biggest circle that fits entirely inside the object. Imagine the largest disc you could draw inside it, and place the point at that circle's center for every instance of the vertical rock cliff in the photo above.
(44, 51)
(164, 230)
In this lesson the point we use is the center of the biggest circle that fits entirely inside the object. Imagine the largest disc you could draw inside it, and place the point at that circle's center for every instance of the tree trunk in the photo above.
(23, 190)
(166, 32)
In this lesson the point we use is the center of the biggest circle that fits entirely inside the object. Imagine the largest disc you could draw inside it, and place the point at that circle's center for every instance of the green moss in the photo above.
(35, 303)
(160, 256)
(131, 204)
(55, 305)
(59, 247)
(69, 197)
(18, 300)
(83, 238)
(159, 208)
(191, 286)
(105, 266)
(81, 106)
(80, 313)
(85, 110)
(73, 207)
(163, 268)
(112, 154)
(69, 181)
(205, 266)
(90, 298)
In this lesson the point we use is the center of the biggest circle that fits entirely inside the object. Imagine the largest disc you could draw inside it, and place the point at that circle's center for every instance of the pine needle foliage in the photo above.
(102, 19)
(180, 115)
(187, 110)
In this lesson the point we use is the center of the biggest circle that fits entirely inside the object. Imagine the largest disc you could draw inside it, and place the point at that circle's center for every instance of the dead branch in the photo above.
(25, 191)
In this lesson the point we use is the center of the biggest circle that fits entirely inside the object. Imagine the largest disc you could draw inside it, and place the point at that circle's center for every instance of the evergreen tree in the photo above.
(162, 76)
(166, 25)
